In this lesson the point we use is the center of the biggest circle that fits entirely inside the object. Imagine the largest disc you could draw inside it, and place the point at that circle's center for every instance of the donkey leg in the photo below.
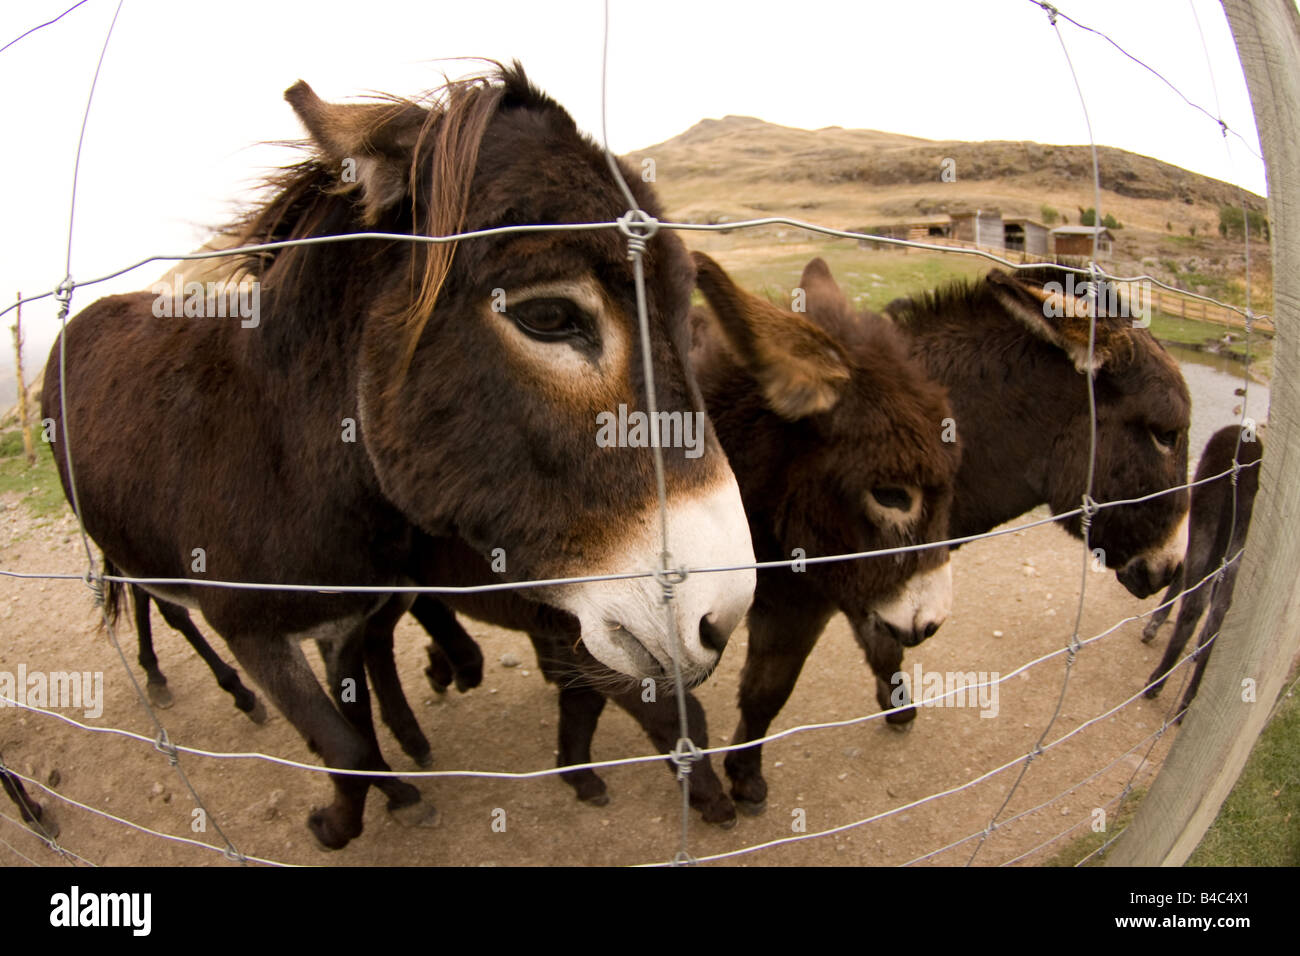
(279, 667)
(454, 654)
(780, 640)
(346, 674)
(393, 707)
(885, 657)
(155, 682)
(1220, 601)
(580, 709)
(1166, 605)
(29, 811)
(660, 721)
(1189, 612)
(227, 679)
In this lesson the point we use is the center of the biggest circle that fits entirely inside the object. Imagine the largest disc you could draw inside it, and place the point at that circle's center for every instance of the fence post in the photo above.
(24, 423)
(1261, 634)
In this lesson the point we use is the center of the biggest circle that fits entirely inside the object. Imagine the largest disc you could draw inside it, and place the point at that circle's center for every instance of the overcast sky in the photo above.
(187, 89)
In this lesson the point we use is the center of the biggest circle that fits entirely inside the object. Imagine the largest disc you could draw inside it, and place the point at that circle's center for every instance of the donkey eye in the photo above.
(890, 497)
(551, 319)
(1165, 438)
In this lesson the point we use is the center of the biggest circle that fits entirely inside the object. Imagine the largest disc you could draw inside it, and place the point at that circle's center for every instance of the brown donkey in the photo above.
(383, 398)
(1220, 520)
(1012, 360)
(836, 438)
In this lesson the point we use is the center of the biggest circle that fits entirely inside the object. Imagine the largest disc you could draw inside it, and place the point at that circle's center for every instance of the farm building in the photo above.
(1021, 234)
(916, 230)
(983, 227)
(1077, 241)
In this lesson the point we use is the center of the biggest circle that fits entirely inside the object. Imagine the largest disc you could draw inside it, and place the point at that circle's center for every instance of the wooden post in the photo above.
(1261, 633)
(23, 421)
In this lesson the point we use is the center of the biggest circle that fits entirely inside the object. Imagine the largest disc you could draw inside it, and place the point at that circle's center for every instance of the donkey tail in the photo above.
(114, 593)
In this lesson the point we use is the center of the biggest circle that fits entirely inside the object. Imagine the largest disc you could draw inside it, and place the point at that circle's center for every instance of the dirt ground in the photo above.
(1015, 599)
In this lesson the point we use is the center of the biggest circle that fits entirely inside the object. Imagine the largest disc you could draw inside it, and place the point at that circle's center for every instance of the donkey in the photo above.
(835, 436)
(836, 439)
(384, 400)
(1217, 531)
(1013, 357)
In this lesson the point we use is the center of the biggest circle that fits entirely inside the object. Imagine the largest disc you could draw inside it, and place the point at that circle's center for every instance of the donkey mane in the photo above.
(307, 198)
(959, 303)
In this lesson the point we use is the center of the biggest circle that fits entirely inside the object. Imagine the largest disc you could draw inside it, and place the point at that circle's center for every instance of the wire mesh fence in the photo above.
(636, 228)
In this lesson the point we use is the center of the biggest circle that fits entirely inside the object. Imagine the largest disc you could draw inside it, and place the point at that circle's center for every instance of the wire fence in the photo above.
(636, 227)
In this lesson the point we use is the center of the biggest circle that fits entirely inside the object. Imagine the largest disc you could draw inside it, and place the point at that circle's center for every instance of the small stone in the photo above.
(509, 660)
(779, 763)
(843, 776)
(997, 633)
(54, 778)
(523, 672)
(156, 789)
(492, 690)
(1065, 811)
(852, 752)
(1051, 612)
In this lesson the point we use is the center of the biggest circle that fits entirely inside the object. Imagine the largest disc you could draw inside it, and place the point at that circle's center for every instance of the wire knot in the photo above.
(638, 226)
(684, 859)
(234, 856)
(164, 746)
(1089, 507)
(683, 755)
(96, 584)
(669, 578)
(63, 295)
(1051, 11)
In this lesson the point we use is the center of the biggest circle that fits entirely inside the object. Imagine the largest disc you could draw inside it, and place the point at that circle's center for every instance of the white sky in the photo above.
(188, 87)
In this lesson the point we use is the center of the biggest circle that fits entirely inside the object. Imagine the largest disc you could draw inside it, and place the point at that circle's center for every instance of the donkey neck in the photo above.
(1011, 398)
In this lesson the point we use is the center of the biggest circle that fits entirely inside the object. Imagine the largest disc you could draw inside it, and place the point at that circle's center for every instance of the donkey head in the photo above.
(839, 449)
(1143, 413)
(486, 368)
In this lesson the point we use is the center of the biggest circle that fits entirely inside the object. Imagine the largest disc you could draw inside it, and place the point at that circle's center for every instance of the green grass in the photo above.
(1080, 848)
(37, 486)
(1172, 328)
(1259, 823)
(877, 277)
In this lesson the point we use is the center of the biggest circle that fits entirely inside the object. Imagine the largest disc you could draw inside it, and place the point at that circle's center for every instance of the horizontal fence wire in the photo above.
(622, 224)
(222, 851)
(622, 761)
(626, 575)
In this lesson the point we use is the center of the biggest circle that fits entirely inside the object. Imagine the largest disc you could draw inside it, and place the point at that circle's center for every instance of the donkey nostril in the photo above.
(710, 636)
(930, 629)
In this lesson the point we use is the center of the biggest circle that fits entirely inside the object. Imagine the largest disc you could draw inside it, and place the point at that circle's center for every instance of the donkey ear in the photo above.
(822, 293)
(370, 144)
(799, 366)
(1058, 318)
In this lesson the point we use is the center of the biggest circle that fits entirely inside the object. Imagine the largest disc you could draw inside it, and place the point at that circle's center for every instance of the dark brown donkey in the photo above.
(205, 449)
(1012, 358)
(836, 438)
(1217, 531)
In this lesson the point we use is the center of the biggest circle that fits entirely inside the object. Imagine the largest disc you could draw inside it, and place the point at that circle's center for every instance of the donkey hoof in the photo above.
(596, 799)
(751, 808)
(723, 818)
(424, 760)
(899, 728)
(258, 714)
(418, 814)
(328, 835)
(160, 696)
(469, 678)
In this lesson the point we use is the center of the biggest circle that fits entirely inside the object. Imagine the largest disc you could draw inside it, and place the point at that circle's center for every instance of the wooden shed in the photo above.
(1077, 241)
(1021, 234)
(983, 227)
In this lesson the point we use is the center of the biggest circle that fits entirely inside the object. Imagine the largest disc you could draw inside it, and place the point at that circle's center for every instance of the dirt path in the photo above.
(1015, 599)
